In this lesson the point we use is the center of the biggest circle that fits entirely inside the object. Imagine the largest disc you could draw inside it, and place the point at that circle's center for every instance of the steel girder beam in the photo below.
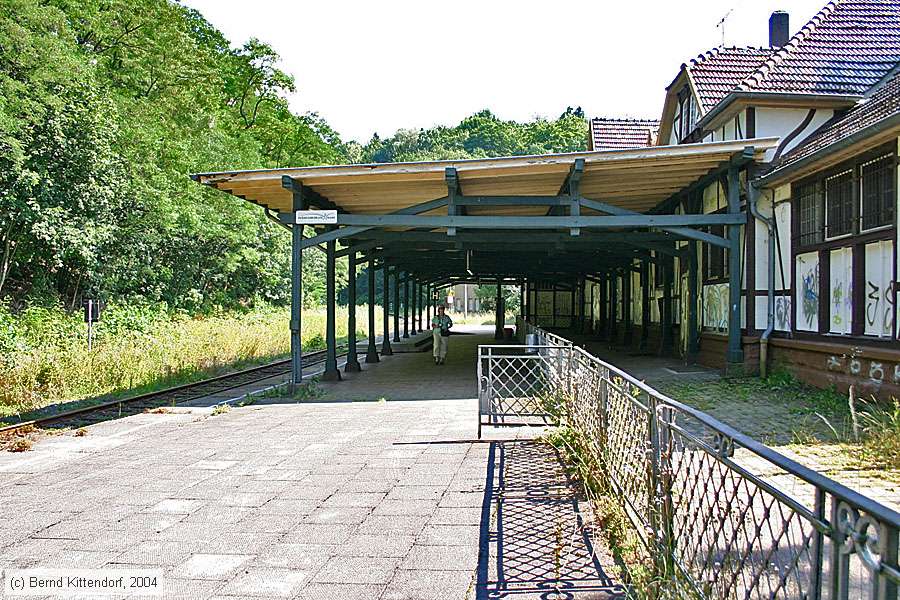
(683, 232)
(741, 160)
(335, 234)
(532, 237)
(500, 222)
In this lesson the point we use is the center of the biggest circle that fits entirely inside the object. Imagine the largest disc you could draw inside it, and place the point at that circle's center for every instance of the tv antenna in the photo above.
(721, 23)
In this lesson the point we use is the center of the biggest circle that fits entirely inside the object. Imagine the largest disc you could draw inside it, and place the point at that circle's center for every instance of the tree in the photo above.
(487, 295)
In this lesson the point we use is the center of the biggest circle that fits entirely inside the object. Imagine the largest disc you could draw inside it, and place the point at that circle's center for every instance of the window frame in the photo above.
(857, 239)
(891, 170)
(854, 166)
(850, 185)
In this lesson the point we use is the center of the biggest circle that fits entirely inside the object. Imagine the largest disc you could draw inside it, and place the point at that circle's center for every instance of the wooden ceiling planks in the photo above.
(636, 179)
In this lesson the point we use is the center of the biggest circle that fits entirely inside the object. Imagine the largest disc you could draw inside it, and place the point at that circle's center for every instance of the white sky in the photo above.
(377, 66)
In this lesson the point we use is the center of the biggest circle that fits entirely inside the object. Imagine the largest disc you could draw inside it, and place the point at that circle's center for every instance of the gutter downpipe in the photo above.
(752, 201)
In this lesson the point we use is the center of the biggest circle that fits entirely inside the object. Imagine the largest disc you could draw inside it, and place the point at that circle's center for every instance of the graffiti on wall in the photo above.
(715, 306)
(880, 289)
(783, 313)
(808, 291)
(875, 372)
(841, 301)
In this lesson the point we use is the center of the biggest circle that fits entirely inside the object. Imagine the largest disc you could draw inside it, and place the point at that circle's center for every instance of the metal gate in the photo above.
(522, 385)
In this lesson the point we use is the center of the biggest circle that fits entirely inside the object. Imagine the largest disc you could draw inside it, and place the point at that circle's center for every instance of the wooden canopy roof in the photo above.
(636, 179)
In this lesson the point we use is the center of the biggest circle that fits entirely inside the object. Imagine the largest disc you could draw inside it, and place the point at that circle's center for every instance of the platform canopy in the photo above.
(531, 220)
(637, 180)
(484, 217)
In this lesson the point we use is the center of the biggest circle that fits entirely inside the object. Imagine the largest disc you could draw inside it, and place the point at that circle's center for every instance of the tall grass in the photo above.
(44, 357)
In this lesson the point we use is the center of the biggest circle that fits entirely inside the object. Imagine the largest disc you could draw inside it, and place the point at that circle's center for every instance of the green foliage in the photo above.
(487, 294)
(881, 440)
(105, 109)
(482, 135)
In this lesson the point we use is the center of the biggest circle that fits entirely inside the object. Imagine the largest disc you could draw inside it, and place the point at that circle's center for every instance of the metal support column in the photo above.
(553, 309)
(613, 305)
(414, 312)
(331, 371)
(429, 300)
(396, 305)
(693, 343)
(603, 314)
(352, 365)
(372, 350)
(628, 336)
(573, 322)
(666, 321)
(406, 306)
(498, 323)
(645, 305)
(735, 354)
(386, 349)
(583, 322)
(421, 305)
(412, 307)
(522, 299)
(296, 291)
(590, 327)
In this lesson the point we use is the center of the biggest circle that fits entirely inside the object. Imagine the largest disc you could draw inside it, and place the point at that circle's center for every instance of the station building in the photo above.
(824, 241)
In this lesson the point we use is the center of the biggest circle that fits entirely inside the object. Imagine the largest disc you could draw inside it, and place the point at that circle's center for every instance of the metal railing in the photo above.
(724, 515)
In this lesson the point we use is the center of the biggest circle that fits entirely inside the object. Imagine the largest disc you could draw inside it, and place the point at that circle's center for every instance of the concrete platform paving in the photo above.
(329, 499)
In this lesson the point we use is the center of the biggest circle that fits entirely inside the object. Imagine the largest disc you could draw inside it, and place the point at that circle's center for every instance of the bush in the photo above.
(44, 358)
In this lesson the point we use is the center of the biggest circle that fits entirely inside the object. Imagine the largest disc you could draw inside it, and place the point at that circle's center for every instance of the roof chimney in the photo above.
(779, 29)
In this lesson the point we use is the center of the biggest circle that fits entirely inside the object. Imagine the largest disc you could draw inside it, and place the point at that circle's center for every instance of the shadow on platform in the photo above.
(537, 540)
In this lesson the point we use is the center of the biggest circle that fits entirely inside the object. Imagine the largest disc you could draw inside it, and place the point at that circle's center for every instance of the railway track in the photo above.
(114, 409)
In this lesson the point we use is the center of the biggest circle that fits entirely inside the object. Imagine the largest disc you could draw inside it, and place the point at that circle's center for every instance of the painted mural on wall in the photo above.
(841, 291)
(807, 292)
(715, 306)
(880, 289)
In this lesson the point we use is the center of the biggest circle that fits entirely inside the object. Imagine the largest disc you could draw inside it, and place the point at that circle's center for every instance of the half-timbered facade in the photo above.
(819, 259)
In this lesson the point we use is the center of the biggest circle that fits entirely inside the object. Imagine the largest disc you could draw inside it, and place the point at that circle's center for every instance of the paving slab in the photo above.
(341, 497)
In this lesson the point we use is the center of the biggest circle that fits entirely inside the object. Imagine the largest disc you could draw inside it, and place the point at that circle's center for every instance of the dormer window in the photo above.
(685, 114)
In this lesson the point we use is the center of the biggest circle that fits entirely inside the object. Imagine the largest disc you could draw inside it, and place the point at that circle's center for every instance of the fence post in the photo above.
(890, 548)
(817, 549)
(665, 474)
(481, 390)
(840, 561)
(653, 496)
(604, 404)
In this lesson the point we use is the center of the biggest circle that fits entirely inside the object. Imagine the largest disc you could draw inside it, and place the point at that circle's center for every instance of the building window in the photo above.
(809, 202)
(685, 114)
(714, 260)
(839, 204)
(876, 189)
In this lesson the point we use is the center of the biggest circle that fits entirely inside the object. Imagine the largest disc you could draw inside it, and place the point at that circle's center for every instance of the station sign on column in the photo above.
(315, 217)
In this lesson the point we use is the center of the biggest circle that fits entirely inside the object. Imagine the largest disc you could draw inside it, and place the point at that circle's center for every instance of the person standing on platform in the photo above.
(440, 331)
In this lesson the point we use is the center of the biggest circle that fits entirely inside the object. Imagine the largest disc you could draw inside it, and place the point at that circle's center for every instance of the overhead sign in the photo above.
(316, 217)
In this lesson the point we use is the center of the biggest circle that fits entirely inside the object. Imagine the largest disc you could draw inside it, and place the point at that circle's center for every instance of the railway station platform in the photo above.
(373, 487)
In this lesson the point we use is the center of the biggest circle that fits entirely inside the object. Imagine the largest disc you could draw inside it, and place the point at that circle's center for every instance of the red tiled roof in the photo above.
(845, 49)
(719, 71)
(615, 134)
(882, 103)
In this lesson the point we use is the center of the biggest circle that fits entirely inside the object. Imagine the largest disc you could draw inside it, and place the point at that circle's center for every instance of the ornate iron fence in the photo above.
(726, 516)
